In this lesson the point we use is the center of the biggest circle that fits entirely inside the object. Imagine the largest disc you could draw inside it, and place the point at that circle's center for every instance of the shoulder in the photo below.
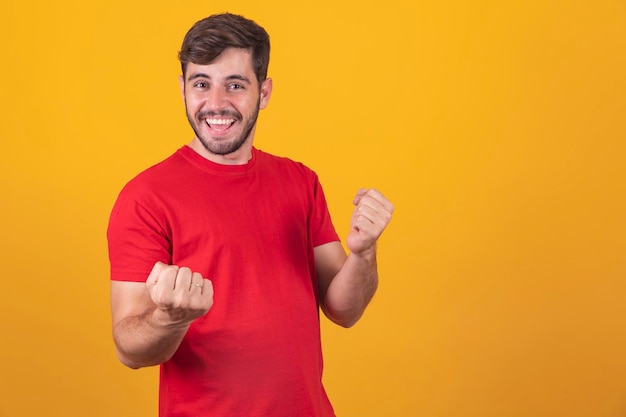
(155, 175)
(285, 165)
(153, 181)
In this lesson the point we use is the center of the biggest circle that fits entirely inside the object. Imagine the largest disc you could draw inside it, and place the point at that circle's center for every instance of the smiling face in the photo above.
(222, 101)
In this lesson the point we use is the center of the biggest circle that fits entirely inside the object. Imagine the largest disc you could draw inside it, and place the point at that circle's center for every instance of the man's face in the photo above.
(222, 101)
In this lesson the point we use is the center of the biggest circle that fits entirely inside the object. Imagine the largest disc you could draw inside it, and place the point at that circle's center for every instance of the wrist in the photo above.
(366, 254)
(164, 319)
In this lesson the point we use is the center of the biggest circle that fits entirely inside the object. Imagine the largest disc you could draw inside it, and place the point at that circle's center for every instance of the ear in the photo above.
(181, 80)
(266, 92)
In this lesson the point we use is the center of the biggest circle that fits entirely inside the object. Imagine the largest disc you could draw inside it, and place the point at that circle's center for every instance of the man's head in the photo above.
(224, 85)
(210, 37)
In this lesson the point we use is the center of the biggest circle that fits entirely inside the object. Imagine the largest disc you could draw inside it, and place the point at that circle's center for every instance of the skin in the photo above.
(150, 319)
(225, 90)
(348, 283)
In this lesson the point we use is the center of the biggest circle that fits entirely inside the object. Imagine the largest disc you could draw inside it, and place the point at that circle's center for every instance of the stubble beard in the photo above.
(218, 147)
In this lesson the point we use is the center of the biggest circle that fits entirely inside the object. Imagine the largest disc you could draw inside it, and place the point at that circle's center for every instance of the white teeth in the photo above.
(220, 121)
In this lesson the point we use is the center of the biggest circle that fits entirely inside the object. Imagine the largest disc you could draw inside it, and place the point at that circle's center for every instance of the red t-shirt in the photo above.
(251, 230)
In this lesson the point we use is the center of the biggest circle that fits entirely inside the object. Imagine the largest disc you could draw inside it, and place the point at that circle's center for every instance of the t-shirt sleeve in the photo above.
(322, 227)
(137, 239)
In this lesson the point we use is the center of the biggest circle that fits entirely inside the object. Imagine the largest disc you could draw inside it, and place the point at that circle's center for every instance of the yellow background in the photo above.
(496, 128)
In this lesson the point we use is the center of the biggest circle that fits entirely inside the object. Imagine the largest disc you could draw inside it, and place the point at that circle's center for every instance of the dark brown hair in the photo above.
(209, 37)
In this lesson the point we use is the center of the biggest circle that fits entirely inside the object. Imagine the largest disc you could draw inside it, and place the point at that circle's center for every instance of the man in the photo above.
(222, 255)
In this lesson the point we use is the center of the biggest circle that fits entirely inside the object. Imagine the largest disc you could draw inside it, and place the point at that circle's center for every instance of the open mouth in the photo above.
(219, 125)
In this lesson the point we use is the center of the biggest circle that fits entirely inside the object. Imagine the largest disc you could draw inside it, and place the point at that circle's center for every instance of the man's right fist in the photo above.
(181, 296)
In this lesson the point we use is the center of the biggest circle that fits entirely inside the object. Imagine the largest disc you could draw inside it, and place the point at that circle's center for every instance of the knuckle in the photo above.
(159, 297)
(184, 270)
(178, 302)
(168, 270)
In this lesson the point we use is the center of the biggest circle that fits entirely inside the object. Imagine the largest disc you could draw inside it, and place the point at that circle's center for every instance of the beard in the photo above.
(223, 147)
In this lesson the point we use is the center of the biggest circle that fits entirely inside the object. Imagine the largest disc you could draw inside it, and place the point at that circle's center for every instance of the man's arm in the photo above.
(348, 283)
(151, 319)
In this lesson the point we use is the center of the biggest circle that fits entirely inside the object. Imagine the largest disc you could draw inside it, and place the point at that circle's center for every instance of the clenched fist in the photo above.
(181, 296)
(372, 213)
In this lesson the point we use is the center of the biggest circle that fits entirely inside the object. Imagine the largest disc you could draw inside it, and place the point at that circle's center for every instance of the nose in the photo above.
(216, 98)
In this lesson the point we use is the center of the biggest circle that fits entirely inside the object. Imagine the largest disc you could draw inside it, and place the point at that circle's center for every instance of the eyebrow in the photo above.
(237, 77)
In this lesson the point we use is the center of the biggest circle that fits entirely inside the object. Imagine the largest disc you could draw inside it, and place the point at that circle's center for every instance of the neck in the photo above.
(240, 157)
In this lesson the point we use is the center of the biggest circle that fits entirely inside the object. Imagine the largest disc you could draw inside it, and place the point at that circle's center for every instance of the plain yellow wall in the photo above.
(497, 128)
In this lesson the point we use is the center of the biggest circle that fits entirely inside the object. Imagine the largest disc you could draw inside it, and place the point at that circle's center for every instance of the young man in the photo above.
(222, 255)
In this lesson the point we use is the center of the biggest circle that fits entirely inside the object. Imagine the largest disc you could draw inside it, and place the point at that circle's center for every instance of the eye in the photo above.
(235, 86)
(200, 84)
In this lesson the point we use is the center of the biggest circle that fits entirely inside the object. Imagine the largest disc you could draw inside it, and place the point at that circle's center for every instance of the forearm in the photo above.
(352, 289)
(347, 284)
(144, 340)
